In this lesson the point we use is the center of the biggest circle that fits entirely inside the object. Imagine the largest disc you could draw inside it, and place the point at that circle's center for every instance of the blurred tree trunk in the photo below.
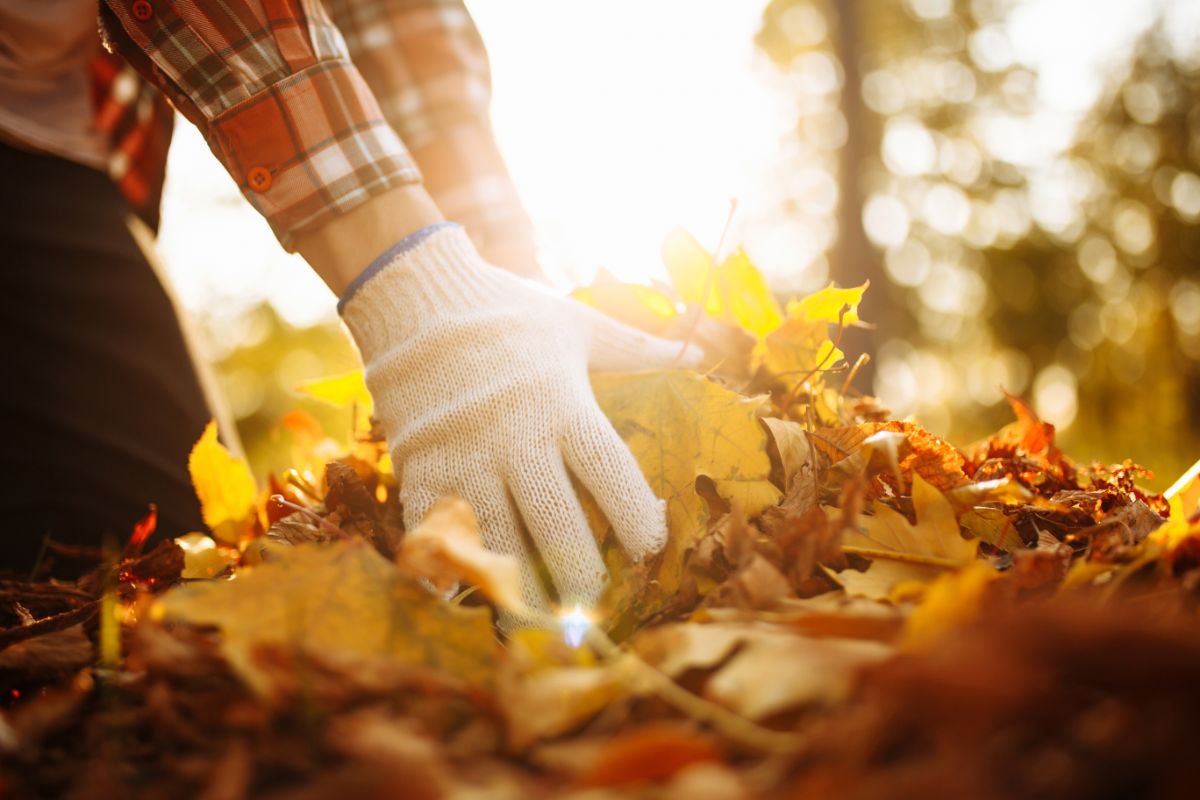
(853, 260)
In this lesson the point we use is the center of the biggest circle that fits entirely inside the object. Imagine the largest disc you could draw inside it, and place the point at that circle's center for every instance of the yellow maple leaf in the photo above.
(643, 307)
(225, 487)
(935, 539)
(911, 552)
(737, 291)
(1183, 499)
(334, 599)
(826, 305)
(800, 348)
(680, 426)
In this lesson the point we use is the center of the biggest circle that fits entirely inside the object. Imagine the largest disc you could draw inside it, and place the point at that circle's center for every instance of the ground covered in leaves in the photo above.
(849, 606)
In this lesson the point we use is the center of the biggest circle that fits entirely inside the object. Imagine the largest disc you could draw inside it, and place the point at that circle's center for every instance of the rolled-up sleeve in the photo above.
(271, 85)
(428, 67)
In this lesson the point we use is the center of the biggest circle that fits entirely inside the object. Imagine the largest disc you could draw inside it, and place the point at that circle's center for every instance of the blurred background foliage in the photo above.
(1021, 232)
(1010, 246)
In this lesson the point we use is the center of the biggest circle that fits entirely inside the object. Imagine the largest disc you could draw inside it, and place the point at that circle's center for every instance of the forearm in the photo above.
(341, 249)
(427, 65)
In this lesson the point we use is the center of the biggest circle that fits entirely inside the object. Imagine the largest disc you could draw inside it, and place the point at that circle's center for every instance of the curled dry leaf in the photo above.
(447, 548)
(202, 558)
(745, 659)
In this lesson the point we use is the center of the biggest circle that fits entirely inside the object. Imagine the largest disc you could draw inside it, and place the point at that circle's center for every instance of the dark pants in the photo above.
(99, 401)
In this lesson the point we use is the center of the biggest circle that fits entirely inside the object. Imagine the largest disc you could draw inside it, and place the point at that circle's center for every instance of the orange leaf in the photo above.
(651, 753)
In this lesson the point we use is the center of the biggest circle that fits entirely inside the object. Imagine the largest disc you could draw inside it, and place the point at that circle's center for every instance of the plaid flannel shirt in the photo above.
(310, 106)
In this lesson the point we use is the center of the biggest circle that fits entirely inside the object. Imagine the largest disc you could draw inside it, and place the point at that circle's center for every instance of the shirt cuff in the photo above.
(310, 147)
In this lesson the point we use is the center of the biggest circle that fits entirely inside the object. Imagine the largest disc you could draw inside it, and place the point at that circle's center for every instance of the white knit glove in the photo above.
(480, 380)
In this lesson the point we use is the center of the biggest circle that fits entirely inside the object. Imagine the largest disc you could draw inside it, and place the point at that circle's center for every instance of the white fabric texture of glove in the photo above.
(480, 380)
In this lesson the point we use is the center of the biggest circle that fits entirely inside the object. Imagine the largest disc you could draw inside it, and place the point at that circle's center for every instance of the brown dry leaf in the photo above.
(751, 682)
(797, 456)
(680, 426)
(335, 597)
(225, 487)
(53, 653)
(675, 649)
(838, 444)
(372, 735)
(884, 581)
(990, 524)
(835, 614)
(931, 457)
(544, 703)
(817, 671)
(447, 548)
(756, 584)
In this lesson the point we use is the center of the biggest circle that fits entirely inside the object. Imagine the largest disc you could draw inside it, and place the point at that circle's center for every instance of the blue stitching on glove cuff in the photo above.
(399, 248)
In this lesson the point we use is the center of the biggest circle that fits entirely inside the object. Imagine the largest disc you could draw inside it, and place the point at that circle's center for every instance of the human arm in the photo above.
(459, 355)
(427, 65)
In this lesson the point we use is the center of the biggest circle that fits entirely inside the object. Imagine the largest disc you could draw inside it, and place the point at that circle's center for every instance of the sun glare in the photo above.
(621, 120)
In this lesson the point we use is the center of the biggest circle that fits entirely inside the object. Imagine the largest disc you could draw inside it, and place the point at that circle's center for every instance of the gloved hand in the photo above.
(480, 380)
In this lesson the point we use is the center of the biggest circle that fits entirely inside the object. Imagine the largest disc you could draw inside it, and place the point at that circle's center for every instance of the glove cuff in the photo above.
(433, 269)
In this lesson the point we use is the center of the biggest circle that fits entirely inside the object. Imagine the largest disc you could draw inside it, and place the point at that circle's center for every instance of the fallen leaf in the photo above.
(884, 581)
(225, 487)
(339, 390)
(933, 458)
(746, 659)
(650, 753)
(340, 596)
(951, 600)
(447, 548)
(901, 551)
(818, 671)
(549, 702)
(737, 292)
(680, 426)
(934, 541)
(827, 304)
(643, 307)
(201, 556)
(798, 350)
(1183, 500)
(795, 452)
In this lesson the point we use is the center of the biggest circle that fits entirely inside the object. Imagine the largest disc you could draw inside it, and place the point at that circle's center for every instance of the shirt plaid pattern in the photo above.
(136, 122)
(309, 119)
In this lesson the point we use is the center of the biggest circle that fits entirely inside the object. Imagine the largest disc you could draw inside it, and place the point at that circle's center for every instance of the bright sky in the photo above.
(620, 119)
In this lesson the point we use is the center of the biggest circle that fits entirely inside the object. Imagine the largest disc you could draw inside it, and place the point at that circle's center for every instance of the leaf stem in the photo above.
(731, 725)
(907, 558)
(708, 281)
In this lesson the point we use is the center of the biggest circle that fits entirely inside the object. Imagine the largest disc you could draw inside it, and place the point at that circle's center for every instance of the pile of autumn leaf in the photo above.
(849, 606)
